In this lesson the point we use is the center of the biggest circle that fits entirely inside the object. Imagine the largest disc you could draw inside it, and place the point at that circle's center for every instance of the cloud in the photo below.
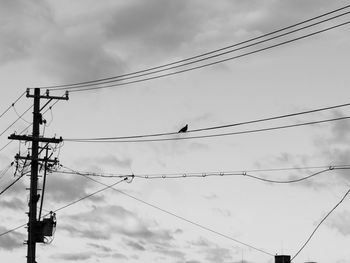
(22, 24)
(72, 256)
(161, 25)
(109, 160)
(341, 223)
(217, 254)
(12, 240)
(68, 188)
(136, 246)
(170, 252)
(64, 56)
(129, 224)
(100, 247)
(13, 204)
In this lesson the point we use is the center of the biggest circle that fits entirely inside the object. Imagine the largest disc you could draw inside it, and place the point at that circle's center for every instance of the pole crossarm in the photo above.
(18, 157)
(36, 139)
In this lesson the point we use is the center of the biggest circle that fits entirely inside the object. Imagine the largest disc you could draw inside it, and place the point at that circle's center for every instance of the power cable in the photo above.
(10, 185)
(100, 140)
(12, 105)
(223, 126)
(204, 174)
(211, 63)
(319, 224)
(67, 205)
(182, 218)
(25, 129)
(5, 170)
(210, 57)
(13, 123)
(197, 56)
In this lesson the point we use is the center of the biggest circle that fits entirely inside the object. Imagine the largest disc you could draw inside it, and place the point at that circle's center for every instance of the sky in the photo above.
(47, 42)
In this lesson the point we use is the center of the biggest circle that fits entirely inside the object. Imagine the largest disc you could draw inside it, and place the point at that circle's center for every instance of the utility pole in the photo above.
(35, 225)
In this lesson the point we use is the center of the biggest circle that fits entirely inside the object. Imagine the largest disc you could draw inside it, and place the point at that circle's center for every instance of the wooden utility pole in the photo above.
(34, 223)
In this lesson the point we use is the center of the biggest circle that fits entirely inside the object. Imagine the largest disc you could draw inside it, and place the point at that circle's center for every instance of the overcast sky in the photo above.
(47, 42)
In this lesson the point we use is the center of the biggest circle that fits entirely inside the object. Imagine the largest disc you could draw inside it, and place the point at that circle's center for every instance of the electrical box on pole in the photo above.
(37, 228)
(282, 259)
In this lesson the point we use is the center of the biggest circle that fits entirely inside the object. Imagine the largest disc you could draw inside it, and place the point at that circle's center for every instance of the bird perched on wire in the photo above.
(183, 129)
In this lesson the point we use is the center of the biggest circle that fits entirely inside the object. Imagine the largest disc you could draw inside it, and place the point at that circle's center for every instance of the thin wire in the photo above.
(67, 205)
(99, 140)
(5, 170)
(19, 117)
(319, 224)
(13, 104)
(223, 126)
(203, 174)
(201, 55)
(10, 185)
(212, 63)
(14, 108)
(11, 141)
(182, 218)
(210, 57)
(88, 196)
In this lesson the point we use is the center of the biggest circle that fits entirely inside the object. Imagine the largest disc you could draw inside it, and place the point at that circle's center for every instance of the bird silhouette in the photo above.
(183, 129)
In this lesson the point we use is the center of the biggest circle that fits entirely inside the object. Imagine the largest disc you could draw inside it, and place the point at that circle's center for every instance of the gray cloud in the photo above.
(100, 247)
(64, 56)
(90, 232)
(136, 246)
(72, 256)
(68, 188)
(110, 160)
(169, 252)
(162, 25)
(12, 240)
(128, 224)
(341, 223)
(13, 204)
(22, 24)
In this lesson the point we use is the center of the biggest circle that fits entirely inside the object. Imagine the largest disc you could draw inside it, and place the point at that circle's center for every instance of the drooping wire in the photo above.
(226, 125)
(197, 56)
(25, 129)
(19, 116)
(108, 140)
(5, 170)
(207, 174)
(67, 205)
(88, 196)
(183, 219)
(10, 185)
(12, 105)
(13, 123)
(210, 57)
(319, 224)
(212, 63)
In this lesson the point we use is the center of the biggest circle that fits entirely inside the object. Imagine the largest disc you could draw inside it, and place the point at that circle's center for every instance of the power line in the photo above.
(94, 82)
(10, 185)
(12, 105)
(182, 218)
(210, 57)
(67, 205)
(205, 174)
(100, 140)
(25, 129)
(223, 126)
(319, 224)
(212, 63)
(13, 123)
(5, 170)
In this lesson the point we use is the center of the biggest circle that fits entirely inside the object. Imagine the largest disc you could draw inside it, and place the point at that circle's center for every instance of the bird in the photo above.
(183, 129)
